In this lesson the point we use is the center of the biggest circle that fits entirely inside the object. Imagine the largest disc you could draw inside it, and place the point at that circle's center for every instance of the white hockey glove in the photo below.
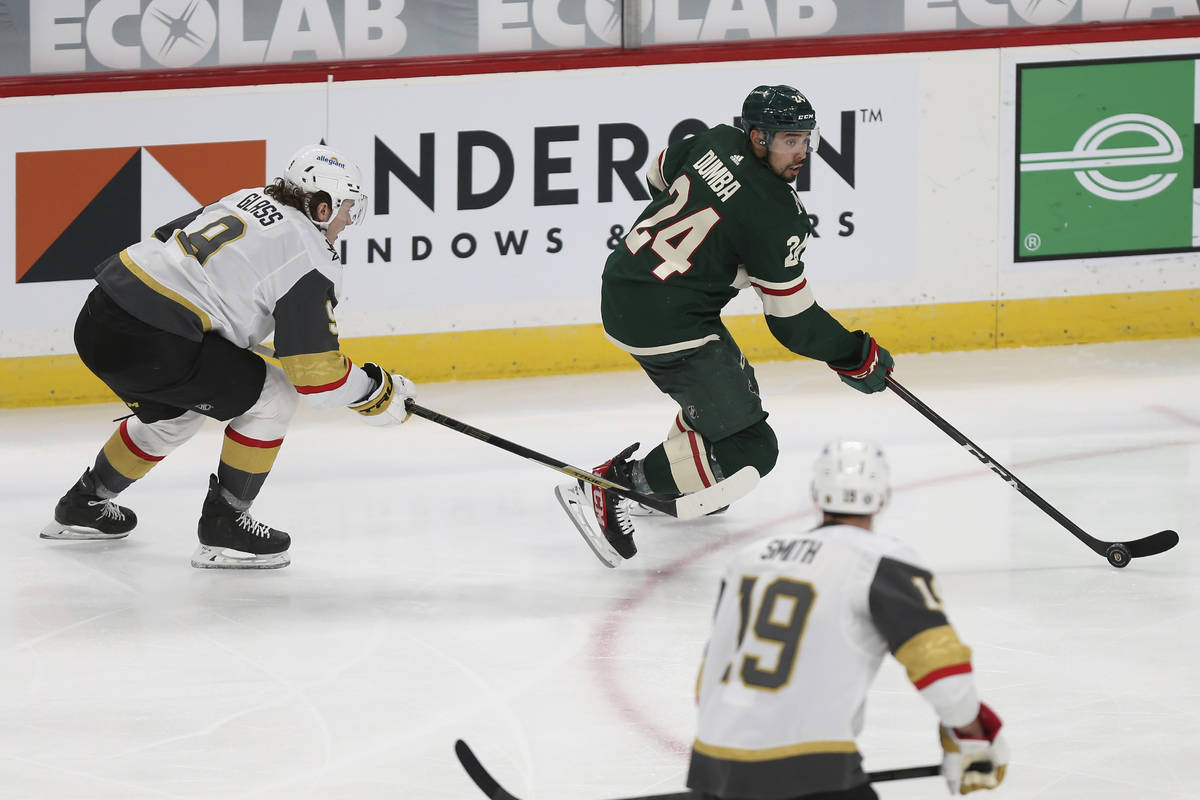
(386, 405)
(972, 762)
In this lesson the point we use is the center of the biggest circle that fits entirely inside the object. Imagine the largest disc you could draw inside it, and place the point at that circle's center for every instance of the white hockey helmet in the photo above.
(851, 477)
(316, 168)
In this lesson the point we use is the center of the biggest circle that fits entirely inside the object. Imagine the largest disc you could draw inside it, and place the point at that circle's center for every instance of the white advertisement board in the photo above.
(1099, 180)
(494, 199)
(529, 183)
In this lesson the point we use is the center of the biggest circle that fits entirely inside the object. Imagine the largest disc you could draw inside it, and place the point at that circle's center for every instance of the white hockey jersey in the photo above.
(801, 627)
(241, 268)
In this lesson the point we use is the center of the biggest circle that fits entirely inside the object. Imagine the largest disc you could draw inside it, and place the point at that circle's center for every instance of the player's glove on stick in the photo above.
(868, 374)
(973, 763)
(386, 404)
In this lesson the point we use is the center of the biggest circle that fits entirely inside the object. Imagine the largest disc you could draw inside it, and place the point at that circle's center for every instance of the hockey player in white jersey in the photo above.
(801, 627)
(170, 327)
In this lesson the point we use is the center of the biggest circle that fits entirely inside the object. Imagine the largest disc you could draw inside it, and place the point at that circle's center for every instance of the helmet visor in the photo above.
(358, 207)
(792, 144)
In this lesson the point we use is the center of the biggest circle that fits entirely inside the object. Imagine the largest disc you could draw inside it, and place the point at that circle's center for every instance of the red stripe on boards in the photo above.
(588, 58)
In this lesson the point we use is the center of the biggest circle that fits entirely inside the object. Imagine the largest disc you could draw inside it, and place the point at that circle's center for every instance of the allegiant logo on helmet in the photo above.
(331, 160)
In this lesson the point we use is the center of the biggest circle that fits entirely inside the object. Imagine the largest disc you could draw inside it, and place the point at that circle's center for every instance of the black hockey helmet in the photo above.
(778, 108)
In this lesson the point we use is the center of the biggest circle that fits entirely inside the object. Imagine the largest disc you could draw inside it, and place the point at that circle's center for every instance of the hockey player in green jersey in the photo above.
(723, 217)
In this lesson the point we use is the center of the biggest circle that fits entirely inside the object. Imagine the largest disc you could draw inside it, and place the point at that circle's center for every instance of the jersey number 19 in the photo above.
(778, 620)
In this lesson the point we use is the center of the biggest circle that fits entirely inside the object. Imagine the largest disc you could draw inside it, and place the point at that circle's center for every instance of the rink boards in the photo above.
(964, 199)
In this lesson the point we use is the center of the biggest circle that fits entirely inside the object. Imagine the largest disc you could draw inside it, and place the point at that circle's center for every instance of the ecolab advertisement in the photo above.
(51, 36)
(494, 202)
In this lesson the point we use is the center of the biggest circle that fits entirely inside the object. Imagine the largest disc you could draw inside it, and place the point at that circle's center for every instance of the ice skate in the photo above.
(576, 501)
(83, 514)
(232, 539)
(612, 510)
(602, 517)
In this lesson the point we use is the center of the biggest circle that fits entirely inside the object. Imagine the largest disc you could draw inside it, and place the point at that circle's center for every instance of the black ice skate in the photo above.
(602, 517)
(84, 514)
(612, 510)
(232, 539)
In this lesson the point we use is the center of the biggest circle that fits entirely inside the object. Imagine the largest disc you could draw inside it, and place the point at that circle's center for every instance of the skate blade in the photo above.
(636, 509)
(207, 557)
(77, 533)
(578, 509)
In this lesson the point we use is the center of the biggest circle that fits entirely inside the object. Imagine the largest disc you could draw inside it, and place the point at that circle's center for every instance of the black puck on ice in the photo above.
(1117, 555)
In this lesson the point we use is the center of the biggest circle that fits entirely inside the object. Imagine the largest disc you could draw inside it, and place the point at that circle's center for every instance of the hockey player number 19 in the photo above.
(675, 243)
(778, 620)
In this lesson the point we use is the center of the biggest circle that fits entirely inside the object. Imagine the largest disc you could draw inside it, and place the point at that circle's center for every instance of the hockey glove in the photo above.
(972, 763)
(868, 373)
(386, 405)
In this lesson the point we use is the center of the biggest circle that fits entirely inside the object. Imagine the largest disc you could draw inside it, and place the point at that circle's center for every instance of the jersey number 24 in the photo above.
(677, 242)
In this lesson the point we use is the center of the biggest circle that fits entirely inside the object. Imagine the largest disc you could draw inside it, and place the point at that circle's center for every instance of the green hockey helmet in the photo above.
(779, 108)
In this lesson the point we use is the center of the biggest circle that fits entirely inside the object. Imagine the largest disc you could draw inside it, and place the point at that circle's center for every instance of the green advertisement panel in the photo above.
(1106, 158)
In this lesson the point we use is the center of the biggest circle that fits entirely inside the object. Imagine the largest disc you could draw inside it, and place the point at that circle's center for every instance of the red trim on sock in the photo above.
(243, 439)
(133, 448)
(698, 459)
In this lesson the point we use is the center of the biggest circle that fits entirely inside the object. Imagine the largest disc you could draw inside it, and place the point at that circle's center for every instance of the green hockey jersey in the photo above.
(720, 221)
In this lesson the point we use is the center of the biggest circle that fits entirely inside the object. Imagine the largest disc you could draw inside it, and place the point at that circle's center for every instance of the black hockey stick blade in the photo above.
(482, 778)
(490, 787)
(1153, 544)
(1117, 553)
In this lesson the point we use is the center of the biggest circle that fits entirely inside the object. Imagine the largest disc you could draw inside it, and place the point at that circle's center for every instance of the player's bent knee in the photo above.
(271, 414)
(756, 446)
(283, 393)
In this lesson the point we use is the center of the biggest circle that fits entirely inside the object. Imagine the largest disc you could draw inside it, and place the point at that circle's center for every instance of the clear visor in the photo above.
(358, 207)
(794, 143)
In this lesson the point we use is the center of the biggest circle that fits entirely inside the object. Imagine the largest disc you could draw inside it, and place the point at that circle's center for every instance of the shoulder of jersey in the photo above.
(871, 544)
(729, 143)
(885, 545)
(296, 224)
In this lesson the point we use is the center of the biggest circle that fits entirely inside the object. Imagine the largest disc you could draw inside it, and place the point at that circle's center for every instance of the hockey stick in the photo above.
(1117, 553)
(490, 787)
(687, 506)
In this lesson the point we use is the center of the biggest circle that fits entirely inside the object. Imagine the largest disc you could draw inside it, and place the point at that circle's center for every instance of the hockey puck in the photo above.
(1117, 555)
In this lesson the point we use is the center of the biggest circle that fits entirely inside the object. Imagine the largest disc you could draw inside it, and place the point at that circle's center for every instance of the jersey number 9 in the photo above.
(202, 244)
(778, 620)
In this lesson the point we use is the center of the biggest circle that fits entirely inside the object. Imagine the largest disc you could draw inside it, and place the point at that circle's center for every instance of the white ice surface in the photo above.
(437, 591)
